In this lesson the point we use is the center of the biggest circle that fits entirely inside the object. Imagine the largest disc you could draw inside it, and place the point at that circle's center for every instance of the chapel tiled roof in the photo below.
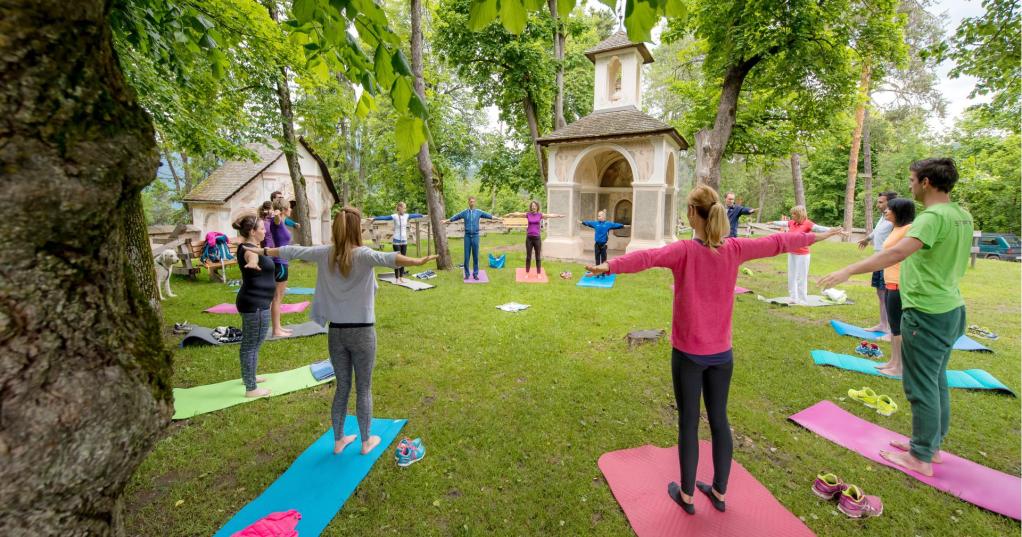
(233, 175)
(617, 123)
(619, 41)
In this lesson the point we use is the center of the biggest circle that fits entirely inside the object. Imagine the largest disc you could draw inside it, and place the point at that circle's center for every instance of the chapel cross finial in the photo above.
(620, 17)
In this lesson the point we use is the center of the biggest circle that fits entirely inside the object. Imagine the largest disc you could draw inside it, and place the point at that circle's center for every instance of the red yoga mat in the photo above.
(297, 307)
(530, 277)
(969, 481)
(638, 477)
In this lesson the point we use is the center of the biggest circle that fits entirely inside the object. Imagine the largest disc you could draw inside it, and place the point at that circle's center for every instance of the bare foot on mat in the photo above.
(260, 379)
(891, 372)
(283, 332)
(908, 462)
(370, 445)
(937, 458)
(339, 445)
(258, 392)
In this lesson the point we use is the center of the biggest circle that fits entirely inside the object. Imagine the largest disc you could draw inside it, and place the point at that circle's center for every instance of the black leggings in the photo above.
(403, 248)
(533, 242)
(601, 252)
(713, 381)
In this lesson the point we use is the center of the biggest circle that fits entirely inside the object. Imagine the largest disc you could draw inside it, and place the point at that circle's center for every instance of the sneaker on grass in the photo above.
(409, 452)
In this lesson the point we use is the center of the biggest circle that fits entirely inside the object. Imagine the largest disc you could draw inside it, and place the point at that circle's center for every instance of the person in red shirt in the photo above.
(705, 271)
(798, 259)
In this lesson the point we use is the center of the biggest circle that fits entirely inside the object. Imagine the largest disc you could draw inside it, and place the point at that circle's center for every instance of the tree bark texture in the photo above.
(559, 42)
(140, 254)
(531, 118)
(434, 189)
(796, 178)
(84, 373)
(853, 154)
(867, 171)
(711, 143)
(290, 147)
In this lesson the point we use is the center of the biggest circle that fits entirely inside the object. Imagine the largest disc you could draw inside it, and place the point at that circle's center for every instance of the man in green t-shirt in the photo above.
(935, 253)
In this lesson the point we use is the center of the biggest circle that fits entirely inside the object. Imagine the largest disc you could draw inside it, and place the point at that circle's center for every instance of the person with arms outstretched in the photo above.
(734, 212)
(533, 234)
(705, 271)
(934, 255)
(400, 238)
(601, 234)
(471, 217)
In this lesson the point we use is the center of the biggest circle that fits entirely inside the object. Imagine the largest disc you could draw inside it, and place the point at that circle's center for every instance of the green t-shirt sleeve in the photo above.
(926, 228)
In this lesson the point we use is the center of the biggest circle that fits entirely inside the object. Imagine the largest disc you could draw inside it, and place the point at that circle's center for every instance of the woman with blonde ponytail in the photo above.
(344, 299)
(705, 271)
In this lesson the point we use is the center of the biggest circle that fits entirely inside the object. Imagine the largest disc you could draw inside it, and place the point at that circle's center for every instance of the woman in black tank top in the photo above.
(253, 301)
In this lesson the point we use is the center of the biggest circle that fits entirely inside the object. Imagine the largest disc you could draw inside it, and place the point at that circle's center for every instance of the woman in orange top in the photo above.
(900, 212)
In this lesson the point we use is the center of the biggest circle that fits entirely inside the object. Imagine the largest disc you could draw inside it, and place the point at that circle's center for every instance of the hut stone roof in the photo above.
(617, 123)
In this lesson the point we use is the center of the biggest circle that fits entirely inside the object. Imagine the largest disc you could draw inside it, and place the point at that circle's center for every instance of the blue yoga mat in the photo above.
(605, 282)
(296, 291)
(970, 379)
(964, 343)
(318, 483)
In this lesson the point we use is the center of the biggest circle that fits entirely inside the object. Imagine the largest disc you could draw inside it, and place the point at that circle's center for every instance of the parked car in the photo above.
(1004, 246)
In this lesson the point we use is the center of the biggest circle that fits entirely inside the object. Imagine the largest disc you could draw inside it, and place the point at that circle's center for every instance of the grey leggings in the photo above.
(352, 349)
(254, 327)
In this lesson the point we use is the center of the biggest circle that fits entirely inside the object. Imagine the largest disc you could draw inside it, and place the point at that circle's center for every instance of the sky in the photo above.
(956, 91)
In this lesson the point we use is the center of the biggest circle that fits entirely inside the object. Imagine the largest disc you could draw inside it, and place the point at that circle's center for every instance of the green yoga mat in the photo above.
(190, 402)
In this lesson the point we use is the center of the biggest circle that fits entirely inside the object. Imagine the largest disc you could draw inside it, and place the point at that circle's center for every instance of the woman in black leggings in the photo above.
(533, 234)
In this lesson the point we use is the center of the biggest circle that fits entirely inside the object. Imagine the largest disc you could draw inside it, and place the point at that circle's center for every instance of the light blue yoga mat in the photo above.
(318, 483)
(605, 282)
(296, 291)
(964, 343)
(970, 379)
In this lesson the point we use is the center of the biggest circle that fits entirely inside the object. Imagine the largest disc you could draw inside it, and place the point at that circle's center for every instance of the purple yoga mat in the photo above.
(482, 278)
(974, 483)
(284, 308)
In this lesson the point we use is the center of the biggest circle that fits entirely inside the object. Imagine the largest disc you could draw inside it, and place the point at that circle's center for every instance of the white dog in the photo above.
(164, 261)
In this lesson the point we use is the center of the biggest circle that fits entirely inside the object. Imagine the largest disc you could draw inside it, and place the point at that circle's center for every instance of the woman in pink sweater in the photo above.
(705, 271)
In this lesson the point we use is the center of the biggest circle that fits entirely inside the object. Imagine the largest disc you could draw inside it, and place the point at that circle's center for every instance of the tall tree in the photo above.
(78, 143)
(434, 189)
(558, 11)
(289, 143)
(853, 156)
(867, 171)
(796, 179)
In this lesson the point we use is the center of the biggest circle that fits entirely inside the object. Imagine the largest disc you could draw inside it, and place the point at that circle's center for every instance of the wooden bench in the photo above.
(514, 223)
(191, 255)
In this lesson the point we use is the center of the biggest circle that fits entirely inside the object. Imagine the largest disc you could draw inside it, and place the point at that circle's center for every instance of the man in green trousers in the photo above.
(936, 254)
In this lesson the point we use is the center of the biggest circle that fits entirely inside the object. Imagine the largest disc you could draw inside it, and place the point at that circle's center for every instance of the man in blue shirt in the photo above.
(601, 227)
(471, 217)
(734, 212)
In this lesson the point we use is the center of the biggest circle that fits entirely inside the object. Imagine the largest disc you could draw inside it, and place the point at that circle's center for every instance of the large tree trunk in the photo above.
(853, 154)
(796, 178)
(84, 371)
(530, 117)
(434, 189)
(140, 254)
(867, 171)
(711, 143)
(290, 147)
(559, 41)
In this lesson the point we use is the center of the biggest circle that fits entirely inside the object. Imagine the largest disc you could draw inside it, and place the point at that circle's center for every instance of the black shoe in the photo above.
(674, 491)
(718, 504)
(475, 276)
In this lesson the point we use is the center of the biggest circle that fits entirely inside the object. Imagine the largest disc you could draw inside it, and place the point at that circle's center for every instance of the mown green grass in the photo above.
(516, 408)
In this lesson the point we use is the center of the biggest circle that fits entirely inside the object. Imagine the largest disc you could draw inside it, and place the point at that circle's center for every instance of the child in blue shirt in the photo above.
(602, 228)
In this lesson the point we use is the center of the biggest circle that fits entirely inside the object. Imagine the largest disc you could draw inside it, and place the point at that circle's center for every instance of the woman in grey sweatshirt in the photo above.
(344, 299)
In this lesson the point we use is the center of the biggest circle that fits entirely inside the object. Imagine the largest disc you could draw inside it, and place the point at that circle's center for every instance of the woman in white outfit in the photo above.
(400, 238)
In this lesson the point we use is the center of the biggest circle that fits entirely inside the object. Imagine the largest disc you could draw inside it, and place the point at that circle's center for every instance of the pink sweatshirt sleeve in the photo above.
(775, 244)
(668, 256)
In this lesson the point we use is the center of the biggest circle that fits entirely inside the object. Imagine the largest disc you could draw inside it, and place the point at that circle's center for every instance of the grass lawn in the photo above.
(516, 408)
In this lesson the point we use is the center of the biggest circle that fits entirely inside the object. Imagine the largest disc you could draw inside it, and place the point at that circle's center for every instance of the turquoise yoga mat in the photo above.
(970, 379)
(605, 282)
(296, 291)
(964, 343)
(318, 483)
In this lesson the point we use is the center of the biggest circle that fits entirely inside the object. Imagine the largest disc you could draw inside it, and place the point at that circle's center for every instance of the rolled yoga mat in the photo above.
(200, 335)
(414, 285)
(297, 307)
(970, 379)
(530, 277)
(638, 477)
(967, 480)
(964, 343)
(605, 282)
(191, 402)
(318, 483)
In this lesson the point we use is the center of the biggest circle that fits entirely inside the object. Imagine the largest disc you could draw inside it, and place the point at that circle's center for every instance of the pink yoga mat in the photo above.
(284, 308)
(530, 277)
(974, 483)
(638, 477)
(482, 278)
